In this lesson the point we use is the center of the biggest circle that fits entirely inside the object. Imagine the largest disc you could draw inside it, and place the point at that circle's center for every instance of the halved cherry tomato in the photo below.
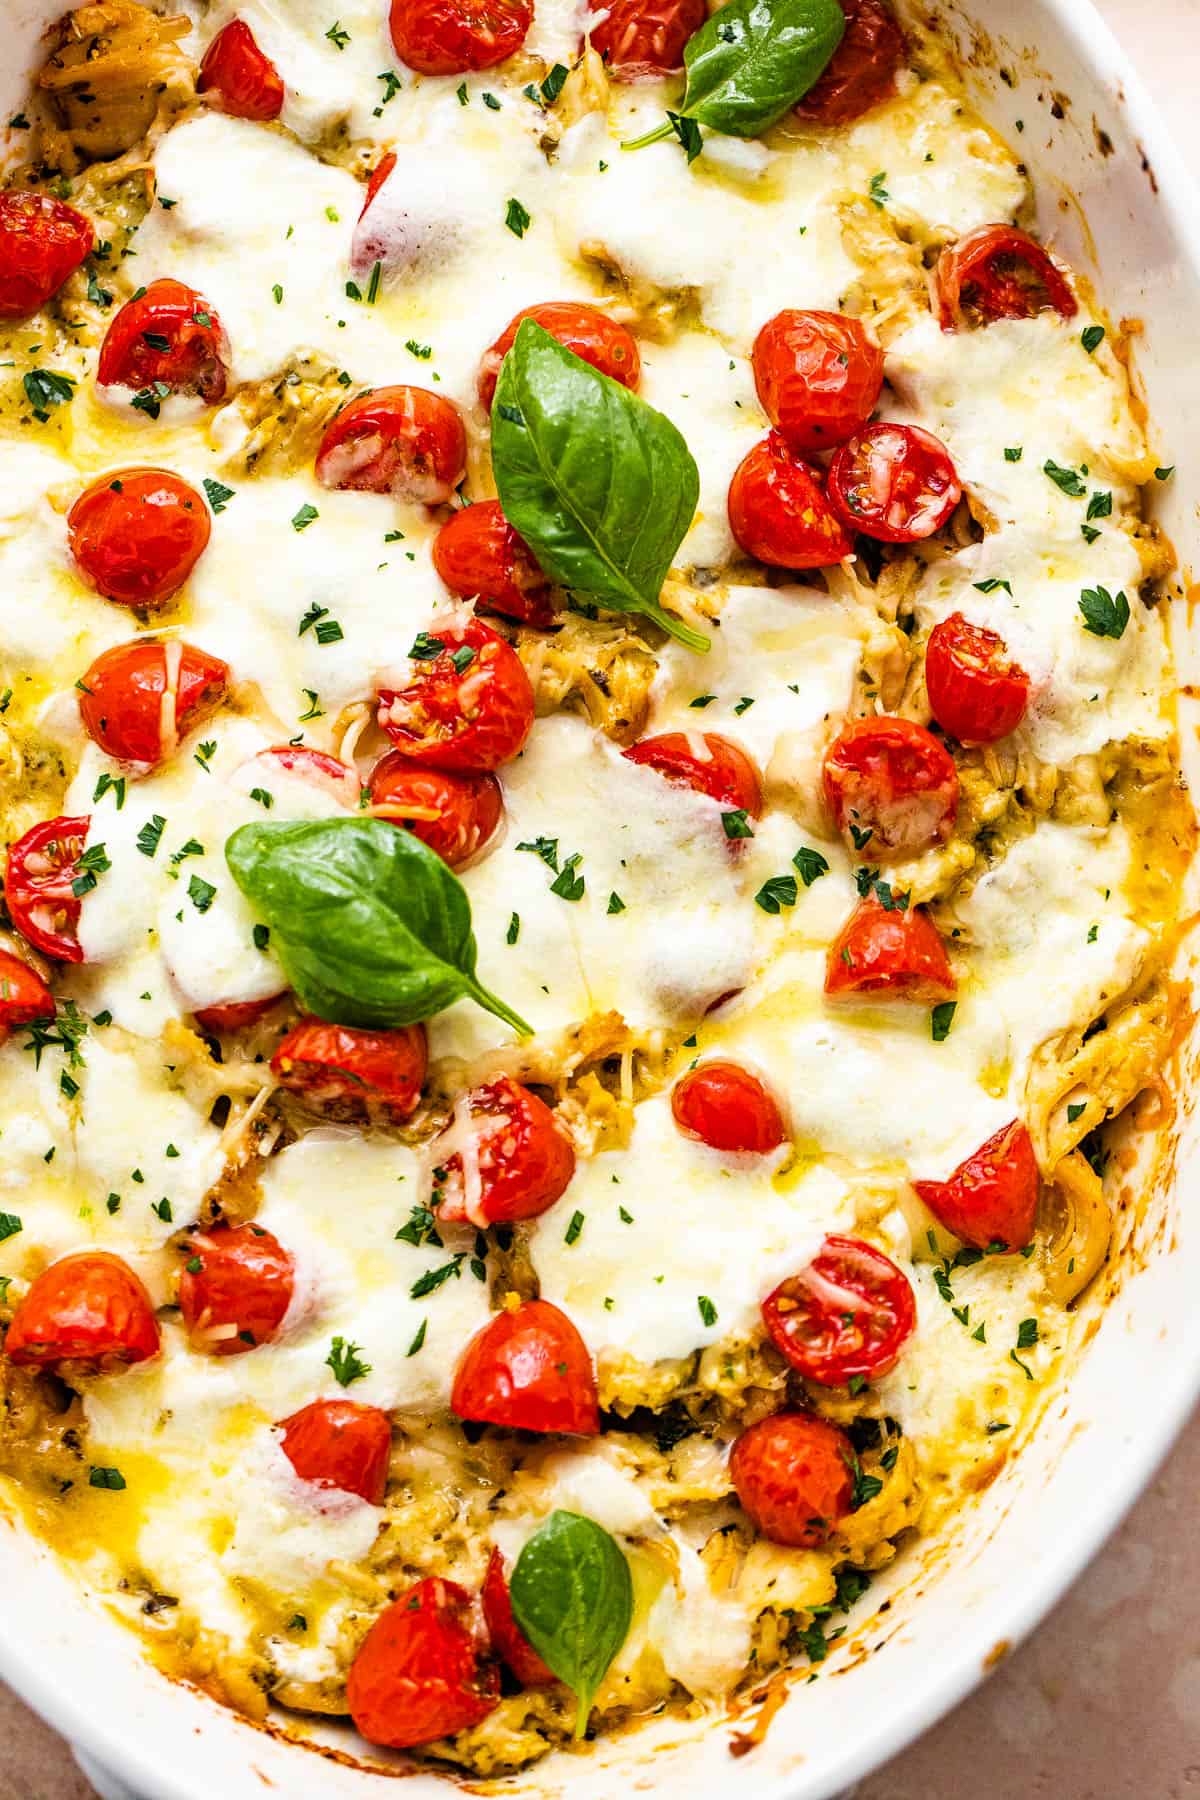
(125, 698)
(643, 39)
(508, 1640)
(520, 1158)
(593, 335)
(529, 1370)
(169, 335)
(480, 557)
(418, 1675)
(818, 377)
(894, 482)
(343, 1068)
(452, 37)
(234, 1015)
(403, 441)
(235, 1288)
(340, 1444)
(727, 1108)
(89, 1309)
(778, 511)
(42, 242)
(723, 770)
(39, 886)
(862, 71)
(453, 814)
(793, 1475)
(975, 693)
(239, 77)
(891, 786)
(315, 767)
(379, 175)
(24, 996)
(847, 1316)
(895, 953)
(138, 534)
(992, 1197)
(998, 272)
(461, 711)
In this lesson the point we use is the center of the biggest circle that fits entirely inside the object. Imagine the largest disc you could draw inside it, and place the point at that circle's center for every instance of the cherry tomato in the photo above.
(402, 441)
(89, 1309)
(418, 1675)
(379, 175)
(992, 1197)
(125, 697)
(793, 1476)
(314, 767)
(862, 70)
(239, 77)
(342, 1067)
(233, 1015)
(643, 39)
(453, 37)
(593, 335)
(894, 482)
(891, 786)
(722, 770)
(453, 814)
(480, 557)
(521, 1159)
(137, 535)
(39, 886)
(778, 511)
(170, 335)
(975, 693)
(847, 1316)
(42, 242)
(894, 953)
(24, 996)
(340, 1444)
(727, 1108)
(458, 712)
(998, 272)
(529, 1370)
(508, 1640)
(235, 1288)
(818, 377)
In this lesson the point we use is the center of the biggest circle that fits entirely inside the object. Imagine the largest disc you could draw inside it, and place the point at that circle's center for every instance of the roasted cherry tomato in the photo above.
(529, 1370)
(341, 1067)
(846, 1317)
(508, 1640)
(235, 1289)
(234, 1015)
(793, 1475)
(169, 336)
(480, 557)
(778, 511)
(402, 441)
(991, 1199)
(379, 175)
(722, 769)
(461, 711)
(891, 786)
(89, 1309)
(39, 886)
(517, 1161)
(340, 1444)
(896, 953)
(418, 1675)
(239, 77)
(727, 1108)
(314, 767)
(643, 39)
(975, 693)
(862, 70)
(818, 376)
(24, 996)
(998, 272)
(42, 242)
(593, 335)
(125, 698)
(453, 814)
(894, 482)
(136, 535)
(452, 37)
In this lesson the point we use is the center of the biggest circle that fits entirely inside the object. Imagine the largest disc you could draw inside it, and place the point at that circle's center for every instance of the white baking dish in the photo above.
(1095, 148)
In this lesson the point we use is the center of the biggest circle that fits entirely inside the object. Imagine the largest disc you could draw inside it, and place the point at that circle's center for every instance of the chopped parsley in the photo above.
(105, 1478)
(91, 864)
(10, 1225)
(1104, 614)
(149, 399)
(219, 495)
(422, 351)
(421, 1228)
(346, 1362)
(737, 823)
(810, 865)
(1014, 453)
(419, 1339)
(433, 1279)
(574, 1229)
(877, 189)
(514, 929)
(775, 894)
(110, 784)
(1092, 337)
(302, 519)
(517, 219)
(150, 836)
(336, 36)
(941, 1019)
(615, 903)
(552, 86)
(567, 884)
(708, 1311)
(201, 893)
(46, 389)
(1069, 480)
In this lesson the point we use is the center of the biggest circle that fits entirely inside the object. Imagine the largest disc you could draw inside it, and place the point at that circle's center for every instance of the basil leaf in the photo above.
(600, 485)
(371, 926)
(753, 59)
(572, 1596)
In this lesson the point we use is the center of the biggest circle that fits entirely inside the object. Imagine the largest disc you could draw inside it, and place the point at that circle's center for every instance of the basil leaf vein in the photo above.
(572, 1596)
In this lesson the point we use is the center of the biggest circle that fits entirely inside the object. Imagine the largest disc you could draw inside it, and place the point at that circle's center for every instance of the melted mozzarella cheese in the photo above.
(332, 68)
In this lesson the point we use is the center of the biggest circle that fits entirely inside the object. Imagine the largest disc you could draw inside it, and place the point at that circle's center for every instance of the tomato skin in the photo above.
(896, 955)
(529, 1370)
(42, 243)
(849, 1314)
(727, 776)
(480, 557)
(89, 1309)
(472, 721)
(239, 1295)
(418, 1676)
(643, 39)
(197, 355)
(379, 175)
(524, 1157)
(895, 483)
(137, 534)
(892, 779)
(818, 377)
(792, 1473)
(453, 37)
(454, 814)
(24, 996)
(861, 73)
(727, 1108)
(340, 1066)
(779, 513)
(403, 441)
(992, 1197)
(239, 77)
(594, 336)
(340, 1444)
(121, 697)
(234, 1015)
(999, 272)
(975, 693)
(316, 767)
(42, 865)
(508, 1640)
